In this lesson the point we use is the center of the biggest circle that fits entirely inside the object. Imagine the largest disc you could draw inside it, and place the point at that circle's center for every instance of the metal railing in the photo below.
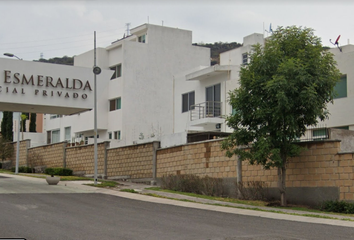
(207, 109)
(315, 133)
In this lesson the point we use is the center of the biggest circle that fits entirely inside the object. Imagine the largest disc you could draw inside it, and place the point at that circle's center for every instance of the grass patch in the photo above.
(105, 184)
(253, 203)
(75, 178)
(230, 200)
(254, 208)
(128, 190)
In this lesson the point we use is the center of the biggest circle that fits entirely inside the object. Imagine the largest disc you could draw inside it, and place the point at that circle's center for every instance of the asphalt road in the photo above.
(100, 216)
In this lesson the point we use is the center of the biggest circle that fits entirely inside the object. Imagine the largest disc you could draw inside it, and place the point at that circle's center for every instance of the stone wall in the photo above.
(81, 158)
(134, 161)
(24, 145)
(51, 155)
(197, 158)
(321, 172)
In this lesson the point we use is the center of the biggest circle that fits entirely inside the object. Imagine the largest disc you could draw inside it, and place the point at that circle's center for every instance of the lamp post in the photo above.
(96, 71)
(18, 125)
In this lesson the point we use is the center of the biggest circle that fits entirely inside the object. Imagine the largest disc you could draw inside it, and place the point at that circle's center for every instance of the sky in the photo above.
(56, 28)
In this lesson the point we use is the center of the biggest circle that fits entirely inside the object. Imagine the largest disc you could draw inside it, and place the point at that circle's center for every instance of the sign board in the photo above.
(35, 87)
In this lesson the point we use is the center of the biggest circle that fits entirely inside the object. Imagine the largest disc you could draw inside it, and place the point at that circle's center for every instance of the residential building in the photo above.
(201, 95)
(139, 96)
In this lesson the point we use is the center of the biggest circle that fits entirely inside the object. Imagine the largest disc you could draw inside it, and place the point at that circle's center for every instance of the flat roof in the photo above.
(210, 72)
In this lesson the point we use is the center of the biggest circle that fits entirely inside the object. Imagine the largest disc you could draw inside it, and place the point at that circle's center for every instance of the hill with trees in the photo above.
(57, 60)
(217, 48)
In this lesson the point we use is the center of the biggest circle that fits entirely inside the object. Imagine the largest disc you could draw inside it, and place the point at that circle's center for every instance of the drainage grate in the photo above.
(4, 177)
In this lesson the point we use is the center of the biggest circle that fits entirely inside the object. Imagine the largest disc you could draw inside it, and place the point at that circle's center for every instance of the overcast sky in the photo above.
(56, 28)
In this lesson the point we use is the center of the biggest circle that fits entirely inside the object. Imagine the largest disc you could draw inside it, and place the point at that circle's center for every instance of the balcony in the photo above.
(206, 114)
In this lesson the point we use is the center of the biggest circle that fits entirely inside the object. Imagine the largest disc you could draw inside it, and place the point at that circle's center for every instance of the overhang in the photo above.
(35, 87)
(211, 72)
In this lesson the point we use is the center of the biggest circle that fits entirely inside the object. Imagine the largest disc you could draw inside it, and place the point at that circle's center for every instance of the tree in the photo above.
(24, 117)
(6, 126)
(6, 149)
(33, 119)
(285, 88)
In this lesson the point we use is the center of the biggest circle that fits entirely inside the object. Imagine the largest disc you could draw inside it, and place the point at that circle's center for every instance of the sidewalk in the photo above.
(12, 184)
(142, 188)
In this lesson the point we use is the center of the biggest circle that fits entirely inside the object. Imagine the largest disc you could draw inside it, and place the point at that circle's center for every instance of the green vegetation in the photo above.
(59, 171)
(105, 184)
(128, 190)
(193, 184)
(6, 149)
(32, 125)
(6, 126)
(285, 88)
(338, 207)
(22, 169)
(63, 60)
(217, 48)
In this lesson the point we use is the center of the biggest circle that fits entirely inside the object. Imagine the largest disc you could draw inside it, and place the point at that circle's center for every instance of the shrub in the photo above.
(193, 184)
(22, 169)
(59, 171)
(338, 206)
(253, 190)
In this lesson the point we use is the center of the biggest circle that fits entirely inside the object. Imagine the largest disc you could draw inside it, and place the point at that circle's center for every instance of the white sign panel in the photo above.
(47, 88)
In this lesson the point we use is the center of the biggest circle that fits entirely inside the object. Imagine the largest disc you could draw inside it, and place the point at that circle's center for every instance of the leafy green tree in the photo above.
(285, 88)
(6, 126)
(24, 117)
(6, 149)
(33, 119)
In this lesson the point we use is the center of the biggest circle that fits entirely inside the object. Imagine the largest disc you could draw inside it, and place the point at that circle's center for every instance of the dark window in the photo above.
(115, 104)
(213, 100)
(188, 101)
(245, 58)
(340, 90)
(117, 71)
(141, 39)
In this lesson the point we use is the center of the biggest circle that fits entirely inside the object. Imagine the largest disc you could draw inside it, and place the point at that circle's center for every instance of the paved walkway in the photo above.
(14, 184)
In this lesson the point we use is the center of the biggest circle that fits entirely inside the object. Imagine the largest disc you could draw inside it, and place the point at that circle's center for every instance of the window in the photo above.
(213, 100)
(114, 135)
(319, 133)
(245, 58)
(53, 136)
(68, 134)
(340, 90)
(233, 111)
(117, 71)
(115, 104)
(141, 38)
(53, 116)
(117, 135)
(188, 101)
(343, 127)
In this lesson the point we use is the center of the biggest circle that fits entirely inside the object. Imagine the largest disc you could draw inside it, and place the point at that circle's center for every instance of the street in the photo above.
(102, 216)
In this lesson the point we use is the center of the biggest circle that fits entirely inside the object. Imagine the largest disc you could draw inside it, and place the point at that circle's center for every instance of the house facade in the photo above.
(139, 96)
(163, 88)
(207, 89)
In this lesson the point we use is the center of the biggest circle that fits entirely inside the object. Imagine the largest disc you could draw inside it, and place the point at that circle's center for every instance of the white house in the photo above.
(201, 94)
(138, 102)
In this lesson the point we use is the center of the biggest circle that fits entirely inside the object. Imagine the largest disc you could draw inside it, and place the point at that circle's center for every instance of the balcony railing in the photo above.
(208, 109)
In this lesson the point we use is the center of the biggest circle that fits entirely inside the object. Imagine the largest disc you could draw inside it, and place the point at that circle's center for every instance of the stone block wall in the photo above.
(24, 144)
(202, 159)
(81, 158)
(320, 166)
(135, 161)
(51, 155)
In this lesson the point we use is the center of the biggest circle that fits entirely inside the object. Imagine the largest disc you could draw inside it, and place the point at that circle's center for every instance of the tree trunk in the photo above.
(281, 185)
